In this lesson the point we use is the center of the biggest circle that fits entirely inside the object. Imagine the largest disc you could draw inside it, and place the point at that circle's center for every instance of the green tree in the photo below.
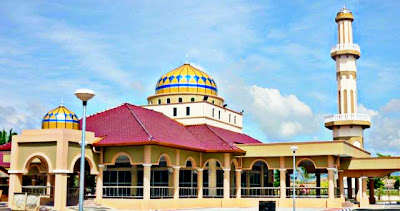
(5, 136)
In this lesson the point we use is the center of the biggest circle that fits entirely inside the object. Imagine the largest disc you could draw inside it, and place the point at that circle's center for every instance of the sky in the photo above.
(268, 58)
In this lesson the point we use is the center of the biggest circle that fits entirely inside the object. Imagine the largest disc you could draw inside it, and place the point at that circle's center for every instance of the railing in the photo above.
(161, 192)
(308, 192)
(386, 195)
(260, 192)
(187, 192)
(123, 191)
(346, 46)
(216, 192)
(341, 117)
(40, 190)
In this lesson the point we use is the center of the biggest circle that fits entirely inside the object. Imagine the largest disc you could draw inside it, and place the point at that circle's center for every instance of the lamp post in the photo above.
(84, 95)
(294, 148)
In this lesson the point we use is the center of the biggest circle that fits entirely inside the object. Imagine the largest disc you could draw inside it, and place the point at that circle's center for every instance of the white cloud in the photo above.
(392, 106)
(281, 116)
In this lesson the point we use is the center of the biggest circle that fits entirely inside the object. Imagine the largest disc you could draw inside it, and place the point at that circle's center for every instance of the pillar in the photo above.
(134, 180)
(357, 189)
(212, 177)
(282, 181)
(238, 174)
(146, 180)
(270, 178)
(318, 182)
(262, 182)
(49, 183)
(60, 192)
(15, 186)
(341, 185)
(99, 183)
(349, 188)
(372, 191)
(227, 189)
(176, 181)
(364, 201)
(331, 187)
(200, 183)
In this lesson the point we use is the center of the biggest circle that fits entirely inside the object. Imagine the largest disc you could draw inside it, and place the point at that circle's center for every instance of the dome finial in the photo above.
(62, 101)
(187, 57)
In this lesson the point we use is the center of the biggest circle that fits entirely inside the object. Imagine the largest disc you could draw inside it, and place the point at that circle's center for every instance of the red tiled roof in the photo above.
(133, 125)
(5, 147)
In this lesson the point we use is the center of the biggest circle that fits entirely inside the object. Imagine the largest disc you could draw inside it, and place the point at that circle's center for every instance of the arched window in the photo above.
(180, 99)
(168, 101)
(192, 100)
(159, 101)
(213, 102)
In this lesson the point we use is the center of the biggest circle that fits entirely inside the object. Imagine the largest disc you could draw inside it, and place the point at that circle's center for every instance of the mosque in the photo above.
(186, 149)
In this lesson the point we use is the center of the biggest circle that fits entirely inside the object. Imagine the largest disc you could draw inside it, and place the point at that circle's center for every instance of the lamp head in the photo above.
(294, 148)
(84, 94)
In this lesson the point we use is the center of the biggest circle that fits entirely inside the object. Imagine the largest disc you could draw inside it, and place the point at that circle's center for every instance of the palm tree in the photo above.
(6, 137)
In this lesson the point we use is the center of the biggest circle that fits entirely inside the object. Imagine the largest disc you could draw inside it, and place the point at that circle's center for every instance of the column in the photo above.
(49, 183)
(331, 187)
(357, 189)
(341, 185)
(134, 180)
(349, 188)
(212, 177)
(282, 181)
(200, 183)
(364, 201)
(318, 182)
(270, 178)
(227, 172)
(60, 192)
(262, 182)
(176, 181)
(146, 180)
(238, 174)
(99, 183)
(372, 191)
(15, 186)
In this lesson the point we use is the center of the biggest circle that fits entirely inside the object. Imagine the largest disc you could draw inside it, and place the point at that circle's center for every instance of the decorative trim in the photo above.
(226, 169)
(282, 169)
(101, 166)
(15, 172)
(61, 171)
(333, 169)
(200, 169)
(238, 170)
(147, 164)
(346, 73)
(363, 177)
(176, 167)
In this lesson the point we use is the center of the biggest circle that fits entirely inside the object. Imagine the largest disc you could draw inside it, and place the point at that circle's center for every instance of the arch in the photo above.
(208, 160)
(306, 159)
(168, 101)
(92, 164)
(257, 160)
(167, 159)
(114, 159)
(191, 159)
(34, 166)
(235, 163)
(42, 158)
(345, 101)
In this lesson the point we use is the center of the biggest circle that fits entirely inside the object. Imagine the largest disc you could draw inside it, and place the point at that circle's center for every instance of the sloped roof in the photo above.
(5, 147)
(128, 124)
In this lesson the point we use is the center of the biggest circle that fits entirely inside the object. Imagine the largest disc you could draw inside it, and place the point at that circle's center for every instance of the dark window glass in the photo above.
(159, 101)
(192, 100)
(187, 111)
(180, 99)
(168, 101)
(219, 114)
(175, 111)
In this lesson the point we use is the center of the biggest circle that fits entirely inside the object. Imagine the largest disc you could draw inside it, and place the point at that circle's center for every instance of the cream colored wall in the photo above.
(186, 98)
(202, 113)
(345, 130)
(26, 150)
(135, 153)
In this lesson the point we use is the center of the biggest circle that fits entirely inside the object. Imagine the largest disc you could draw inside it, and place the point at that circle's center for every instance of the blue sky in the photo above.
(269, 58)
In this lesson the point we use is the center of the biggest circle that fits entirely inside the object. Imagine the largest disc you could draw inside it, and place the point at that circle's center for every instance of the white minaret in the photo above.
(348, 124)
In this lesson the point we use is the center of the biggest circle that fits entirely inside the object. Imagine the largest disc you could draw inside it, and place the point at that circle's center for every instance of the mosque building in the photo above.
(186, 149)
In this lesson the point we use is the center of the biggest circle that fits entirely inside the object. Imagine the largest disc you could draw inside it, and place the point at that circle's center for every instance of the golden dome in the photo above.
(344, 14)
(186, 79)
(60, 117)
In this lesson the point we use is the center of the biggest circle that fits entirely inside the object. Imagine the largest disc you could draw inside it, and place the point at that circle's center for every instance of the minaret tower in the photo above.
(348, 124)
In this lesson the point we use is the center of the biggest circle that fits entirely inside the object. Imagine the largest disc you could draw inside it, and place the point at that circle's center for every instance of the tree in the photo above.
(6, 137)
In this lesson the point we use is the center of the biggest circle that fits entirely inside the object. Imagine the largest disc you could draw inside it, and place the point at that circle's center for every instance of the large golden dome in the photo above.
(60, 117)
(186, 79)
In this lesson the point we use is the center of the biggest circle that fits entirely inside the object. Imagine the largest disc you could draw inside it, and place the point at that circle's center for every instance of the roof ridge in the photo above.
(229, 144)
(151, 138)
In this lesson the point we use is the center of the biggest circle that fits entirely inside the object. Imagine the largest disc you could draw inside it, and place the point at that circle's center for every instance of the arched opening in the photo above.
(309, 180)
(188, 180)
(192, 99)
(161, 181)
(159, 101)
(168, 101)
(180, 100)
(384, 190)
(73, 183)
(213, 179)
(37, 180)
(258, 182)
(123, 179)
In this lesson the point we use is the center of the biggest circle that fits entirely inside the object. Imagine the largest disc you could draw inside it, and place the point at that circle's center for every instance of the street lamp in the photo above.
(84, 95)
(294, 148)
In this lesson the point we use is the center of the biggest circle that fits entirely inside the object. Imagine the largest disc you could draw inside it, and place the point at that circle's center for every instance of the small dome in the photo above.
(186, 79)
(344, 10)
(60, 117)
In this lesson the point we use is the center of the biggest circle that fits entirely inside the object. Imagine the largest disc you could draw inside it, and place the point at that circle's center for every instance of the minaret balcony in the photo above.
(346, 48)
(362, 120)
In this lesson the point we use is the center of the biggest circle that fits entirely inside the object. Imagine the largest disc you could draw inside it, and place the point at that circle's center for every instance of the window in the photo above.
(159, 101)
(180, 99)
(229, 117)
(219, 114)
(234, 120)
(213, 102)
(192, 100)
(168, 101)
(187, 111)
(175, 111)
(213, 112)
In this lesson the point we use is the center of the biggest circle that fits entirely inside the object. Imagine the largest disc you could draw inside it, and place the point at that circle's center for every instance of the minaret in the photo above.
(348, 124)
